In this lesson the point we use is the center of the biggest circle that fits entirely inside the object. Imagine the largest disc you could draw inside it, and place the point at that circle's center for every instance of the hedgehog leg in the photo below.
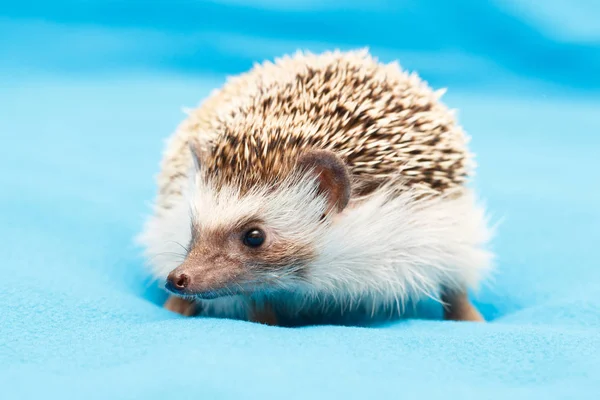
(263, 314)
(181, 306)
(458, 307)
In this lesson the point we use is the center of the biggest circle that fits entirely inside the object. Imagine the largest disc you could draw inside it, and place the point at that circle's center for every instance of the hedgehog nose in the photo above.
(177, 282)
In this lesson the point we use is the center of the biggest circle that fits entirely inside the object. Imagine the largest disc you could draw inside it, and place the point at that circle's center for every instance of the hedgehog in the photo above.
(318, 181)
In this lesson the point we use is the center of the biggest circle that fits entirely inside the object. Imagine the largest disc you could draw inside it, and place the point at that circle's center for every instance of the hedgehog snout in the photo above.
(178, 282)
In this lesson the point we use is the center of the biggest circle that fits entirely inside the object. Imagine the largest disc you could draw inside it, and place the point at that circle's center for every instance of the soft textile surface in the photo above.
(89, 91)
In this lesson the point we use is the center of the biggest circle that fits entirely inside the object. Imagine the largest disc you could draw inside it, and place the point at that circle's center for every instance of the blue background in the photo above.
(89, 91)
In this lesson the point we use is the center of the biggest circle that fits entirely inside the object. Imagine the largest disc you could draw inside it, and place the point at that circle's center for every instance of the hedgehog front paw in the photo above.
(181, 306)
(263, 314)
(459, 308)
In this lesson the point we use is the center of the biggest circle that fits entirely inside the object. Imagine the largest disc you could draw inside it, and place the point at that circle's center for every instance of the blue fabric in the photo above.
(90, 90)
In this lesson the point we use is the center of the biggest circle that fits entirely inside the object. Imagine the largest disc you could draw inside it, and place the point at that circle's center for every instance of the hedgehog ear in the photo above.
(332, 174)
(195, 151)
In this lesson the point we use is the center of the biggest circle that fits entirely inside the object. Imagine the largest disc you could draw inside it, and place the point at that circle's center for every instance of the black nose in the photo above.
(177, 282)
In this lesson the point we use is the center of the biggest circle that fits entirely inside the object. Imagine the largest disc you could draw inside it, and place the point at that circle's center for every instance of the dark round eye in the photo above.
(254, 238)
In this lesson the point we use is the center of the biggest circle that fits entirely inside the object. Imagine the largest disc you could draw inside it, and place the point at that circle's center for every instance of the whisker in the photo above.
(186, 249)
(167, 253)
(152, 281)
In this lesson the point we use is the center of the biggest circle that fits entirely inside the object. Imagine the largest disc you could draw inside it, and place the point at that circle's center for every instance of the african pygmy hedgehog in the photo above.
(313, 181)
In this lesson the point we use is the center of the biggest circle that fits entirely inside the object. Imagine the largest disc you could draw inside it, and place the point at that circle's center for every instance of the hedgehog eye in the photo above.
(254, 238)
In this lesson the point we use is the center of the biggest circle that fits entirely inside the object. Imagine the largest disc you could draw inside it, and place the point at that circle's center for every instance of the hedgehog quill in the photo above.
(314, 181)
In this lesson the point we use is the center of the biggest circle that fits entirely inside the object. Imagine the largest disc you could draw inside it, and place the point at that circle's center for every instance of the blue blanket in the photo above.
(90, 90)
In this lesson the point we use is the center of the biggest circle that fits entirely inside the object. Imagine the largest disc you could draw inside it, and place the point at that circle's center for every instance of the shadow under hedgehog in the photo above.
(318, 181)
